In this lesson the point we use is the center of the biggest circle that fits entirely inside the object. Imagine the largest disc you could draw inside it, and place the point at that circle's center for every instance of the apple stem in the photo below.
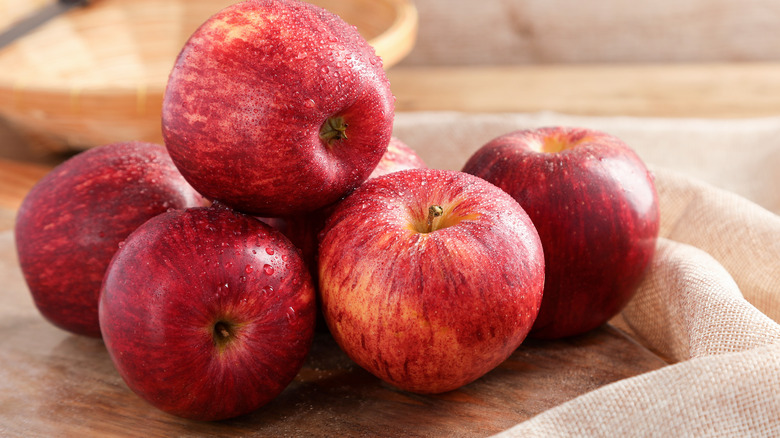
(335, 128)
(434, 211)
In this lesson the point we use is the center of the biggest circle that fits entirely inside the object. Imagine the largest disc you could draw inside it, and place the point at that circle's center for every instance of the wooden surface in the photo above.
(53, 383)
(720, 90)
(564, 31)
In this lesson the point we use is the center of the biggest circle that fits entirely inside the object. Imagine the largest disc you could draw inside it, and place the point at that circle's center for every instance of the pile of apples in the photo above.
(280, 195)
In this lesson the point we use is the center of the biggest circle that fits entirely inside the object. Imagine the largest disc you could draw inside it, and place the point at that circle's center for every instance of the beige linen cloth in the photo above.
(710, 304)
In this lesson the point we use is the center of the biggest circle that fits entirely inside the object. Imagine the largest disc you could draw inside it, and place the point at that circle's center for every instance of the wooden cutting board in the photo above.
(56, 384)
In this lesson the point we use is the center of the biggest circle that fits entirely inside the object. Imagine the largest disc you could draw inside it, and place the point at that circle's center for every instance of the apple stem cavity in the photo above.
(556, 143)
(434, 211)
(334, 129)
(223, 333)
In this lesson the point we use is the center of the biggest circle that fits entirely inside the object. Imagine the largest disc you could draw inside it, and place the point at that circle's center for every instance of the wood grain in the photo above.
(564, 31)
(710, 90)
(56, 384)
(16, 179)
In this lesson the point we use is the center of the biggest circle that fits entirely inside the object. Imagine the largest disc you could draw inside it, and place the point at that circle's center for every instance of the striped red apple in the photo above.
(429, 278)
(276, 108)
(207, 313)
(72, 221)
(595, 206)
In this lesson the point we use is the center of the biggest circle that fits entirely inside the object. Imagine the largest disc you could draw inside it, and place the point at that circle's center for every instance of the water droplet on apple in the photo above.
(267, 289)
(242, 279)
(290, 314)
(248, 269)
(268, 269)
(269, 251)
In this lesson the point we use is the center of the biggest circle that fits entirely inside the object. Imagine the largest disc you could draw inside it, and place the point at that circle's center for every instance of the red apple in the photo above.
(72, 221)
(207, 313)
(595, 206)
(398, 156)
(277, 107)
(429, 278)
(302, 231)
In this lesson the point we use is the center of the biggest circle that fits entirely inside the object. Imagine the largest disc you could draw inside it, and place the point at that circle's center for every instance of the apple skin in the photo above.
(429, 312)
(595, 206)
(250, 94)
(71, 222)
(184, 279)
(398, 156)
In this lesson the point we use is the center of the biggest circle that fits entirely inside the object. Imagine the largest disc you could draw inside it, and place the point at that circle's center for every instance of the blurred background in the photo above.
(509, 32)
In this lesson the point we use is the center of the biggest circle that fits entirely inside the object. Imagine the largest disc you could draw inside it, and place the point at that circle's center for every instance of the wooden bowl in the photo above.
(96, 75)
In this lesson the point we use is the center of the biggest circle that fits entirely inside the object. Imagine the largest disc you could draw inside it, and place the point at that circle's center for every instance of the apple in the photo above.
(594, 203)
(429, 278)
(207, 313)
(398, 156)
(302, 231)
(71, 222)
(276, 108)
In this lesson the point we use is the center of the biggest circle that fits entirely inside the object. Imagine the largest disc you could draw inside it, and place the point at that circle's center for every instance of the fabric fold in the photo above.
(689, 306)
(727, 395)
